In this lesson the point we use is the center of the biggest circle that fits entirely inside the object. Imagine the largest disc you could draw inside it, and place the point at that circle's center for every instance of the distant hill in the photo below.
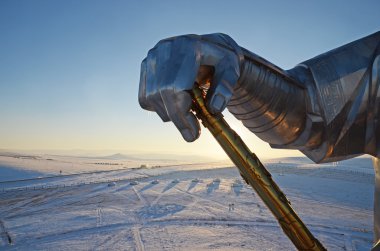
(120, 156)
(157, 156)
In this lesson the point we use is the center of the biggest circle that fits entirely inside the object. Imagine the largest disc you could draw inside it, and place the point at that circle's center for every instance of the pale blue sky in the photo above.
(69, 70)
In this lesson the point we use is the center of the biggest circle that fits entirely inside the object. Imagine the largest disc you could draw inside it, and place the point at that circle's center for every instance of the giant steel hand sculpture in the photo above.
(327, 107)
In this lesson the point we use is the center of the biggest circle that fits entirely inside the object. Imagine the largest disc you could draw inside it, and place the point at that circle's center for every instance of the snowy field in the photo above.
(173, 206)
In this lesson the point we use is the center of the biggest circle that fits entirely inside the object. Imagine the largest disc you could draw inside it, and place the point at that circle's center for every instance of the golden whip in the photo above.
(256, 175)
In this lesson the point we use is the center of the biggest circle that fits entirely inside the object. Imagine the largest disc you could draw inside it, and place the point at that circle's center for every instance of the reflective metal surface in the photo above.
(318, 107)
(169, 72)
(328, 107)
(269, 102)
(346, 86)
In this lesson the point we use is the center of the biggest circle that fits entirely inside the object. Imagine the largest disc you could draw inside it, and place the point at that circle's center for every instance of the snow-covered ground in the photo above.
(180, 207)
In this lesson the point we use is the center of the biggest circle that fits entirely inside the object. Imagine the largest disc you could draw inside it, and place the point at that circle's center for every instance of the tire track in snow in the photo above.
(110, 241)
(201, 198)
(349, 233)
(137, 238)
(136, 228)
(141, 198)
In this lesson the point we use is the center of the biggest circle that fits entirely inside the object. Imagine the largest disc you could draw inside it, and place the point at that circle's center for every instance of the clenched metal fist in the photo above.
(169, 71)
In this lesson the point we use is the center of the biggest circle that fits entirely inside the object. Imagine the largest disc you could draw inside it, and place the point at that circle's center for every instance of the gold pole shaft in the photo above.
(256, 175)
